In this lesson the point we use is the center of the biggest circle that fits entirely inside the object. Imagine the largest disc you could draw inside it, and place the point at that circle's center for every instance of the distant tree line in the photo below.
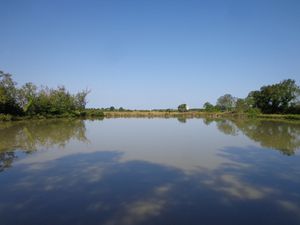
(29, 100)
(282, 98)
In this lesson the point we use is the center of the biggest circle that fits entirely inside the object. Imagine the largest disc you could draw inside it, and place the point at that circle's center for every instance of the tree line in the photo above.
(30, 100)
(282, 97)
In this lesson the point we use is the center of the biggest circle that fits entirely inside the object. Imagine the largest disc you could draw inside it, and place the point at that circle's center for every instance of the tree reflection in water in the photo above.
(30, 135)
(6, 160)
(106, 185)
(278, 135)
(181, 119)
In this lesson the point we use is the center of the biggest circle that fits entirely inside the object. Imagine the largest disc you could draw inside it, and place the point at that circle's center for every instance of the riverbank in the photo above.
(152, 114)
(197, 114)
(83, 115)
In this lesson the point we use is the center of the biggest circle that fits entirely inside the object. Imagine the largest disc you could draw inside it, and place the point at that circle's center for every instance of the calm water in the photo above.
(149, 171)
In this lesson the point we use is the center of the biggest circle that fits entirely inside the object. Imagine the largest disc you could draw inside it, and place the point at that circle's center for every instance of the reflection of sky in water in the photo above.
(158, 171)
(185, 146)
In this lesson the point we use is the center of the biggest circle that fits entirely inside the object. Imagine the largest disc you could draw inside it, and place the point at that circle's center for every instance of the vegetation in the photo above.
(208, 107)
(94, 113)
(279, 100)
(29, 136)
(277, 135)
(226, 102)
(182, 108)
(31, 101)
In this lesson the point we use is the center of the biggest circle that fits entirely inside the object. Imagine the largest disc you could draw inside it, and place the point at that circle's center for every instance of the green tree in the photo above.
(242, 105)
(226, 102)
(26, 96)
(80, 99)
(30, 100)
(183, 108)
(276, 98)
(209, 107)
(8, 93)
(61, 101)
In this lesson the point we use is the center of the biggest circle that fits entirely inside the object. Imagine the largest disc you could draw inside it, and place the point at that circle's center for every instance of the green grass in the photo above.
(280, 116)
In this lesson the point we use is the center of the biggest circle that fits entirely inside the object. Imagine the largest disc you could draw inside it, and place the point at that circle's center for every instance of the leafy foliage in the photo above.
(208, 107)
(276, 98)
(31, 100)
(182, 108)
(8, 95)
(226, 102)
(283, 97)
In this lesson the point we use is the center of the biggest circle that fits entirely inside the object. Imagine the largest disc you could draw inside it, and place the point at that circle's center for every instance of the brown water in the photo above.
(149, 171)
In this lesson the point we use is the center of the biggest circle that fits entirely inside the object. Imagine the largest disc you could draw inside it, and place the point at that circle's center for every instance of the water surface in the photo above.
(149, 171)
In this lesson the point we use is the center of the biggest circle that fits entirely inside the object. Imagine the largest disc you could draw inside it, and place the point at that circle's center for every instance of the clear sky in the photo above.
(148, 53)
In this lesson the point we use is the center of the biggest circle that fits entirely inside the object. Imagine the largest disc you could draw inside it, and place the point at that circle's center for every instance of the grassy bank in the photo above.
(87, 114)
(280, 116)
(197, 114)
(150, 114)
(96, 114)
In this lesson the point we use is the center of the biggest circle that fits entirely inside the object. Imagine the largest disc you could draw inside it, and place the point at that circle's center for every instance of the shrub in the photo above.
(5, 117)
(253, 112)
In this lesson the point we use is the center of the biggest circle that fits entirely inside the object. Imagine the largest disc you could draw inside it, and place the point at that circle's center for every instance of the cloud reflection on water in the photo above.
(178, 175)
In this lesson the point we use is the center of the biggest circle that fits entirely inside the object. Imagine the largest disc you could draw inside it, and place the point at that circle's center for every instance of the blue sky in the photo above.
(148, 53)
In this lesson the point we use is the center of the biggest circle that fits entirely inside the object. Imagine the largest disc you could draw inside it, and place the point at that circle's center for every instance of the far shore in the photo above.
(197, 114)
(99, 114)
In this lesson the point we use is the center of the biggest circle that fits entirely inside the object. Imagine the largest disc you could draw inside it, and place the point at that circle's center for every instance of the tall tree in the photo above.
(182, 108)
(209, 107)
(242, 105)
(80, 99)
(226, 102)
(276, 98)
(26, 96)
(8, 92)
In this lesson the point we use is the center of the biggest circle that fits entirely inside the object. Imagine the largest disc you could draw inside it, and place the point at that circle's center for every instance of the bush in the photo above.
(5, 117)
(94, 113)
(253, 112)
